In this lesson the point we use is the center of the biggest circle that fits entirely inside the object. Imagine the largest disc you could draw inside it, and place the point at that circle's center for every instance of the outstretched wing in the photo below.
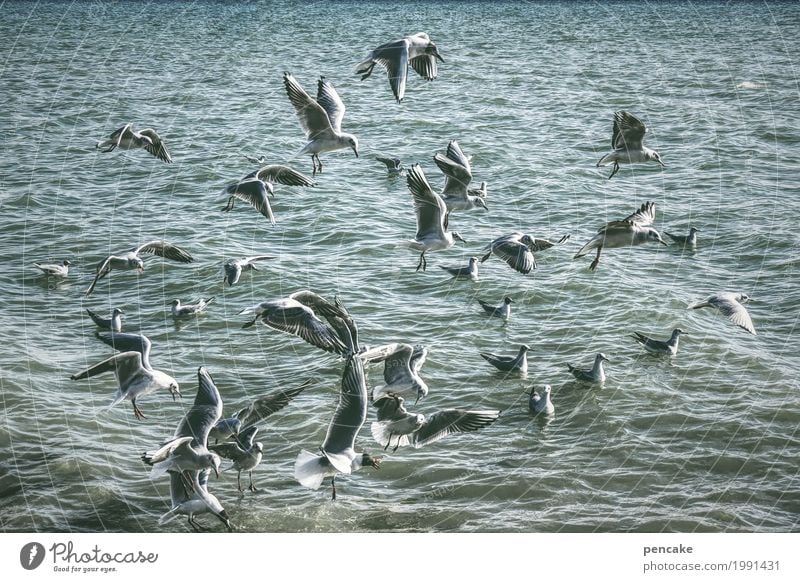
(262, 407)
(429, 206)
(163, 249)
(313, 117)
(330, 101)
(158, 149)
(278, 174)
(628, 131)
(645, 216)
(128, 342)
(447, 422)
(204, 413)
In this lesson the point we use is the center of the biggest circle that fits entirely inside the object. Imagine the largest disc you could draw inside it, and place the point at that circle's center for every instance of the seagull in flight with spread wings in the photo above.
(626, 139)
(126, 138)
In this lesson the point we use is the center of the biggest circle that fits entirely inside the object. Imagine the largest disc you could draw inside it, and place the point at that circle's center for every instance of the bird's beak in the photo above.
(223, 517)
(141, 269)
(216, 472)
(438, 56)
(355, 151)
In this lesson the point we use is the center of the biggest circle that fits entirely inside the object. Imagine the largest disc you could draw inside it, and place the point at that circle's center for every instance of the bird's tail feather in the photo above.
(310, 469)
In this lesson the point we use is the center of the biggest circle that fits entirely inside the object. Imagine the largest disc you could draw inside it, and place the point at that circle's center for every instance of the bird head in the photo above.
(66, 263)
(653, 235)
(602, 358)
(657, 157)
(507, 300)
(174, 389)
(368, 460)
(481, 203)
(457, 236)
(215, 461)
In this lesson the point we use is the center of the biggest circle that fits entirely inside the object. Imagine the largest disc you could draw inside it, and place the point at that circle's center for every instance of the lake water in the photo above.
(707, 442)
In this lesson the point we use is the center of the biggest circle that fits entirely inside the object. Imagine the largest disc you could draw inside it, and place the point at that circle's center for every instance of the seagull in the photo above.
(235, 267)
(688, 240)
(255, 412)
(633, 230)
(509, 363)
(179, 310)
(417, 50)
(468, 272)
(515, 250)
(396, 424)
(338, 453)
(257, 187)
(245, 453)
(541, 403)
(193, 498)
(458, 171)
(393, 165)
(596, 374)
(503, 310)
(114, 323)
(432, 216)
(180, 455)
(130, 260)
(626, 140)
(298, 315)
(321, 119)
(659, 347)
(134, 374)
(54, 270)
(125, 138)
(402, 364)
(732, 306)
(255, 159)
(190, 496)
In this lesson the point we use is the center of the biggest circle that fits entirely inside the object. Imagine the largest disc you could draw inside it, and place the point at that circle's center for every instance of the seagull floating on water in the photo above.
(54, 270)
(468, 272)
(321, 119)
(113, 323)
(518, 363)
(134, 374)
(503, 310)
(417, 50)
(541, 403)
(626, 140)
(432, 217)
(130, 260)
(458, 171)
(732, 306)
(179, 310)
(688, 240)
(632, 230)
(653, 346)
(126, 138)
(338, 453)
(396, 424)
(255, 159)
(393, 165)
(595, 375)
(401, 368)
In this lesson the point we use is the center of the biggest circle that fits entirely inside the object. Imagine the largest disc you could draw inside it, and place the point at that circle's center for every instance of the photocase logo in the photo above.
(31, 555)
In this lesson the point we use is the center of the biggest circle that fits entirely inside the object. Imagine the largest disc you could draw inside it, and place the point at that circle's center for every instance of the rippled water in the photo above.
(707, 442)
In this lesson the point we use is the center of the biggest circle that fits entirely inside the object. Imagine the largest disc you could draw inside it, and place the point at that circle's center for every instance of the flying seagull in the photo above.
(126, 138)
(626, 141)
(730, 305)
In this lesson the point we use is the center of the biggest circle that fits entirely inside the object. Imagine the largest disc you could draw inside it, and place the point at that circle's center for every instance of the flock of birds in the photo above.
(204, 436)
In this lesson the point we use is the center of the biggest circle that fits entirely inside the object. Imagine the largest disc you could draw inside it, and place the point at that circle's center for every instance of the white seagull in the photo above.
(595, 375)
(178, 310)
(468, 272)
(298, 315)
(626, 140)
(653, 346)
(54, 270)
(417, 50)
(401, 368)
(130, 260)
(517, 363)
(432, 217)
(457, 194)
(395, 425)
(732, 306)
(515, 249)
(132, 368)
(393, 165)
(632, 230)
(257, 187)
(113, 323)
(235, 267)
(321, 119)
(541, 403)
(688, 240)
(503, 310)
(125, 138)
(338, 453)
